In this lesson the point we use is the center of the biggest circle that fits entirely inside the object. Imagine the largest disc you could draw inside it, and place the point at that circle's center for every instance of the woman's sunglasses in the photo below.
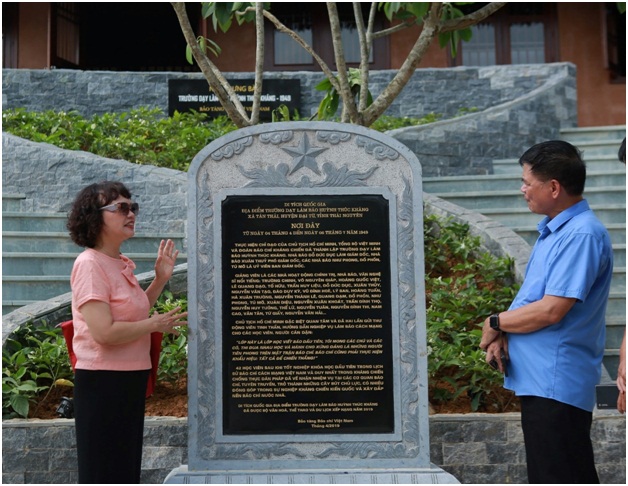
(123, 207)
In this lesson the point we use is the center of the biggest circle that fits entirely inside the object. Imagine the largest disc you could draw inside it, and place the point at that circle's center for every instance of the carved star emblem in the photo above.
(304, 155)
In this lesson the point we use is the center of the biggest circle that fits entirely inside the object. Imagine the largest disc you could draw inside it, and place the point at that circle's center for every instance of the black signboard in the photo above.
(185, 95)
(307, 323)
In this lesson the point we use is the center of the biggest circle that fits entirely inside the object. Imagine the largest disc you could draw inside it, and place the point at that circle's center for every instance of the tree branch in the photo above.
(348, 101)
(432, 27)
(299, 40)
(471, 19)
(429, 31)
(394, 29)
(219, 85)
(364, 55)
(259, 62)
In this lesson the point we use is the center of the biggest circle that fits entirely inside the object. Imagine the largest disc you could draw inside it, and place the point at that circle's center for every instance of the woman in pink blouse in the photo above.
(112, 334)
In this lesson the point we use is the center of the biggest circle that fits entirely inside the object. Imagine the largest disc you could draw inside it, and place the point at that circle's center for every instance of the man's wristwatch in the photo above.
(494, 322)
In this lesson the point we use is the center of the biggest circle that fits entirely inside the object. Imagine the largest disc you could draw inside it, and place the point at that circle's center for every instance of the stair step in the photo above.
(26, 287)
(616, 304)
(615, 328)
(595, 163)
(599, 146)
(615, 133)
(31, 264)
(591, 148)
(479, 200)
(618, 281)
(35, 222)
(45, 285)
(619, 254)
(610, 361)
(511, 182)
(27, 241)
(38, 255)
(12, 201)
(608, 214)
(617, 232)
(530, 236)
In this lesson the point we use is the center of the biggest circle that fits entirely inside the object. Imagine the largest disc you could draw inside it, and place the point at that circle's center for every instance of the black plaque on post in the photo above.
(185, 95)
(307, 325)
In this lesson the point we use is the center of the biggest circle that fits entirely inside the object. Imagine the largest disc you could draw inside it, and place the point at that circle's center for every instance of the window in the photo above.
(349, 33)
(616, 43)
(66, 38)
(519, 33)
(286, 50)
(10, 22)
(480, 50)
(527, 43)
(311, 22)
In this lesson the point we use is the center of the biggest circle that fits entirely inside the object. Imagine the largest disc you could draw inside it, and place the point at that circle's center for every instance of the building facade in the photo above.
(147, 37)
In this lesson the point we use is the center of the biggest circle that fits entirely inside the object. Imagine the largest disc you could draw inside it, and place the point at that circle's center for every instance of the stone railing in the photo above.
(49, 178)
(514, 106)
(468, 145)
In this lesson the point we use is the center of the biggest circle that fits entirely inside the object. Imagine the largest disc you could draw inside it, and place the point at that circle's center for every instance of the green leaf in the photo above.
(418, 9)
(249, 16)
(324, 85)
(206, 9)
(390, 8)
(213, 47)
(281, 113)
(466, 34)
(329, 106)
(188, 54)
(475, 402)
(223, 12)
(20, 405)
(443, 39)
(63, 382)
(27, 386)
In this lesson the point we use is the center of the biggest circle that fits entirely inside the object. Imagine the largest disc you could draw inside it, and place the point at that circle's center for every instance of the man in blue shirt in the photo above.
(554, 331)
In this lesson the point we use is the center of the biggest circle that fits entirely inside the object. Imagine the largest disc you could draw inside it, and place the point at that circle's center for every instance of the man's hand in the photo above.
(621, 377)
(488, 334)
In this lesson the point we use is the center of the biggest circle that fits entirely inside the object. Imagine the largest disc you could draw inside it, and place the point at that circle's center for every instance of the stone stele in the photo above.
(307, 339)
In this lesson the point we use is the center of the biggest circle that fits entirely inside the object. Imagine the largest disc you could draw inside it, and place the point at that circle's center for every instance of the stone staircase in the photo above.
(38, 254)
(498, 197)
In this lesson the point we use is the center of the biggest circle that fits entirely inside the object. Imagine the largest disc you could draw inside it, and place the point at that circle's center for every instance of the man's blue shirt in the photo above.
(572, 258)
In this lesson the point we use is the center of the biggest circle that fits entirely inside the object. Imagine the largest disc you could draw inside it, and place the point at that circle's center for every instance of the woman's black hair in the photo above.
(85, 218)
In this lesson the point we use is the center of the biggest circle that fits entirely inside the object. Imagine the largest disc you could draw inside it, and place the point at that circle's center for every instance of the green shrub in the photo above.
(34, 360)
(464, 285)
(385, 123)
(173, 361)
(142, 136)
(147, 136)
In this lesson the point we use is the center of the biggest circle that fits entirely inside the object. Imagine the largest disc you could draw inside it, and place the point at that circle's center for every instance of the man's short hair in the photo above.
(559, 160)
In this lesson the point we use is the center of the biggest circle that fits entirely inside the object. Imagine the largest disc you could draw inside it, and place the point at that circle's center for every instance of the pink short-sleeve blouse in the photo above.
(96, 276)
